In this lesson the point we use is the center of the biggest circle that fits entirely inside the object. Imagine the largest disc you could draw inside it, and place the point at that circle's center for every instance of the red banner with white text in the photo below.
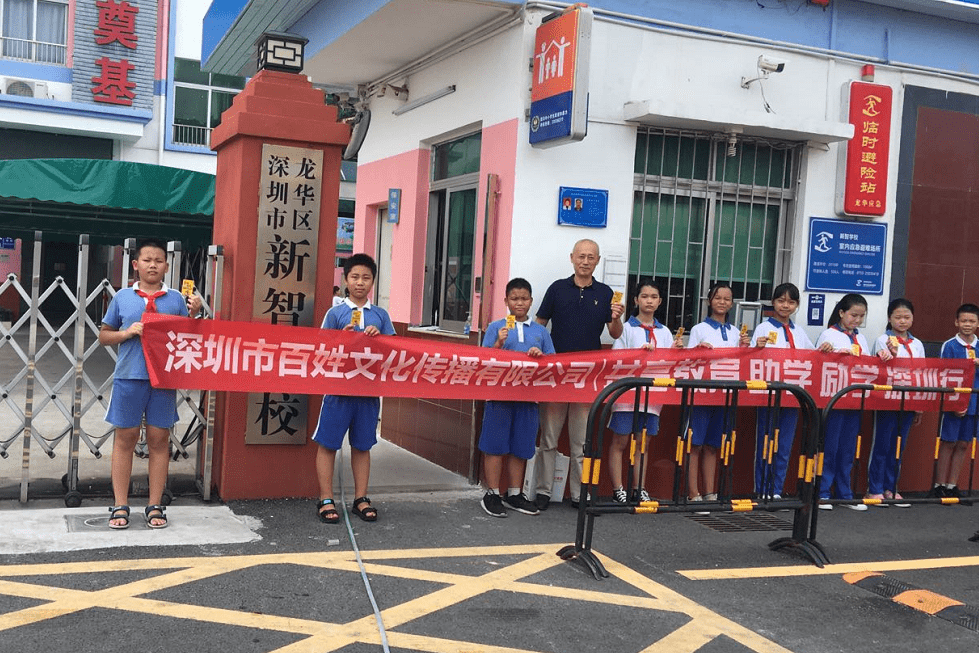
(254, 357)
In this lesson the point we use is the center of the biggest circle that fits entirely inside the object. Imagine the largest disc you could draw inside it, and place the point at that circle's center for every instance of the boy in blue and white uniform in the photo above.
(132, 395)
(510, 427)
(358, 415)
(958, 429)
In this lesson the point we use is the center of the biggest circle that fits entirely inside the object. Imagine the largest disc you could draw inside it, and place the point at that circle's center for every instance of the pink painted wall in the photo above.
(70, 42)
(498, 156)
(409, 171)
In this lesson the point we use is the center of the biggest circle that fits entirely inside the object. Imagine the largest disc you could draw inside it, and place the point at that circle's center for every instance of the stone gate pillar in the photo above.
(268, 177)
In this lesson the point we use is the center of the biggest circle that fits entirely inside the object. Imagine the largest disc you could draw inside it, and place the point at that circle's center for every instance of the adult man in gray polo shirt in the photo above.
(580, 308)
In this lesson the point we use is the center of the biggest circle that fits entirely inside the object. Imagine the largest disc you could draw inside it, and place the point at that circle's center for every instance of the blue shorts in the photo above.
(622, 421)
(133, 398)
(707, 424)
(359, 415)
(509, 427)
(958, 429)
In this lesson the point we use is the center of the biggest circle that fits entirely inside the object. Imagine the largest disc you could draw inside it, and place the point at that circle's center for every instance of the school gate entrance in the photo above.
(55, 284)
(56, 382)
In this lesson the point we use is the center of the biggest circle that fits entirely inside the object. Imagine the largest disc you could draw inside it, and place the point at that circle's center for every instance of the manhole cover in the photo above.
(89, 522)
(737, 523)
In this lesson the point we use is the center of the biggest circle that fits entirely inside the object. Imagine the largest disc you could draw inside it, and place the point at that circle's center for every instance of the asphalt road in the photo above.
(447, 577)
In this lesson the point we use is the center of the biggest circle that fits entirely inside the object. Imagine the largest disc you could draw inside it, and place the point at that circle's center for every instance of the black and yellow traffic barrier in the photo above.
(590, 506)
(896, 458)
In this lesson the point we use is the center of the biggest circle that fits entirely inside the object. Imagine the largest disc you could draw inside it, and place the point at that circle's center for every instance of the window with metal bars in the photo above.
(710, 208)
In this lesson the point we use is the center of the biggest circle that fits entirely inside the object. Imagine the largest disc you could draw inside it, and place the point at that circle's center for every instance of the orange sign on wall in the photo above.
(865, 178)
(559, 88)
(555, 52)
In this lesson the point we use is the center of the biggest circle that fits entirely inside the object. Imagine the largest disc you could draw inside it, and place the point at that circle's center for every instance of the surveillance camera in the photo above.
(770, 65)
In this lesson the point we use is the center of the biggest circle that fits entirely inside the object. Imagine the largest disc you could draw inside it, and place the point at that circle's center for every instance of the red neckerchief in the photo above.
(650, 333)
(851, 336)
(907, 343)
(150, 299)
(788, 335)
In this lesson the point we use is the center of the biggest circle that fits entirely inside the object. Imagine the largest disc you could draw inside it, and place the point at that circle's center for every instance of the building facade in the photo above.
(716, 149)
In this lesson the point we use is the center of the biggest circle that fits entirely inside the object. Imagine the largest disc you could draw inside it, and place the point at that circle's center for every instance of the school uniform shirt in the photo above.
(841, 340)
(909, 347)
(788, 336)
(713, 332)
(126, 308)
(522, 337)
(634, 336)
(958, 348)
(371, 315)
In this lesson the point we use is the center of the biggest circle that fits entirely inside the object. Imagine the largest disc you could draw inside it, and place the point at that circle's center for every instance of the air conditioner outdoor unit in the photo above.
(24, 88)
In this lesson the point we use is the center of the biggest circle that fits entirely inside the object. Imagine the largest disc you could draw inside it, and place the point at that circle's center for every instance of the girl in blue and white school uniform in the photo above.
(842, 426)
(778, 332)
(641, 331)
(707, 422)
(889, 425)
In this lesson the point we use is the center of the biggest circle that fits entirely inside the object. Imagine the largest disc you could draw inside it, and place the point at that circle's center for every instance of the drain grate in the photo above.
(739, 523)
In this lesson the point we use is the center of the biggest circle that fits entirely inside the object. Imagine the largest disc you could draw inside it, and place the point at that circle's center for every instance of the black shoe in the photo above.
(975, 538)
(493, 505)
(639, 496)
(937, 492)
(542, 501)
(520, 503)
(953, 492)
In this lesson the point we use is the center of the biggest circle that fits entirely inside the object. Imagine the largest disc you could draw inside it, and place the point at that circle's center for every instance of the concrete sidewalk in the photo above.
(46, 525)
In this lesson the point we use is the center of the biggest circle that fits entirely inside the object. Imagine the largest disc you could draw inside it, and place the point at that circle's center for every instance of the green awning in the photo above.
(113, 184)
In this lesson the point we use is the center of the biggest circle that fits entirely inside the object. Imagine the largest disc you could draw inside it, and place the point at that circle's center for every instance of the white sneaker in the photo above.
(859, 507)
(825, 506)
(699, 498)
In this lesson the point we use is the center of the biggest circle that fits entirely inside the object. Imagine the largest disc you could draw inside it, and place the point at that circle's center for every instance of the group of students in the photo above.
(510, 428)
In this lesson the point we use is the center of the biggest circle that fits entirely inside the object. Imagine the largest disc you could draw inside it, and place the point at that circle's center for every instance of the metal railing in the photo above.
(191, 135)
(57, 378)
(35, 51)
(802, 539)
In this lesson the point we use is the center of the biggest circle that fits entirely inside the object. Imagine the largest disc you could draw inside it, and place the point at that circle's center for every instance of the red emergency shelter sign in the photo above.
(555, 52)
(865, 180)
(559, 89)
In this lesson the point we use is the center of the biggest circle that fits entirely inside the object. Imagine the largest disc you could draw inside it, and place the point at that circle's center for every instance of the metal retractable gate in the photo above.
(57, 378)
(802, 539)
(895, 449)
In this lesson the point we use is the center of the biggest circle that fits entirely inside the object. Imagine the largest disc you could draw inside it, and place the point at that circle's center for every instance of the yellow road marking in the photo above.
(511, 576)
(828, 570)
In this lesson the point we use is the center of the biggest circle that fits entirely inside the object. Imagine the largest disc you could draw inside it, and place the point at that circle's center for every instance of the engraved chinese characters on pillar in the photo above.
(285, 275)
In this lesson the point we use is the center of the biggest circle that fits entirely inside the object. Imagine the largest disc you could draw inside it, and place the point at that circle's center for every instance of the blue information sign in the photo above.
(394, 205)
(846, 256)
(582, 207)
(550, 118)
(817, 309)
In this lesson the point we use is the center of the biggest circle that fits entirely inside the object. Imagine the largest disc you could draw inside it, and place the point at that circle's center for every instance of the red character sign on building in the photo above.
(116, 23)
(865, 190)
(113, 85)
